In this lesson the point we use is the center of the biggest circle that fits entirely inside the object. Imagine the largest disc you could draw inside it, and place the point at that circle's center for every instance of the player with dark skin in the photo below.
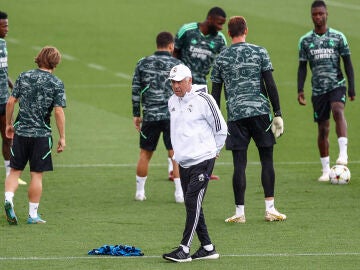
(6, 142)
(319, 17)
(7, 83)
(211, 25)
(197, 44)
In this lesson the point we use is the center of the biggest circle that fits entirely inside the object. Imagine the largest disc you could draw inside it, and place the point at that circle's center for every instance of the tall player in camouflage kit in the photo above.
(246, 71)
(151, 91)
(5, 84)
(38, 92)
(323, 48)
(197, 44)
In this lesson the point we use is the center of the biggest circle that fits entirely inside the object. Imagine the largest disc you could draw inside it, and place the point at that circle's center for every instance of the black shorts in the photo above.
(35, 150)
(150, 134)
(322, 103)
(3, 109)
(241, 131)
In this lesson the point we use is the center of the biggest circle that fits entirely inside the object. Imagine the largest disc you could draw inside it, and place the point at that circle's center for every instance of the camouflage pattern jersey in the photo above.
(4, 88)
(38, 92)
(323, 53)
(151, 88)
(198, 51)
(239, 67)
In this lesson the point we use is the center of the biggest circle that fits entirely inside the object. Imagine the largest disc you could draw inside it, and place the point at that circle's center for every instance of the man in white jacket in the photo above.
(198, 132)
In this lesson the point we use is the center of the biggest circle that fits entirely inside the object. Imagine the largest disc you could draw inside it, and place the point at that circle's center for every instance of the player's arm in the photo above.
(272, 92)
(277, 126)
(136, 97)
(10, 83)
(301, 76)
(216, 92)
(60, 123)
(9, 131)
(349, 70)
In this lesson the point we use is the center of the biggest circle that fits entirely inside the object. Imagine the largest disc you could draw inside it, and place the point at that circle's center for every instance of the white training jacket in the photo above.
(198, 129)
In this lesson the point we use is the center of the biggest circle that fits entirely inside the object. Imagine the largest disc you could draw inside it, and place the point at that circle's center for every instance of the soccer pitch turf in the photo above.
(88, 200)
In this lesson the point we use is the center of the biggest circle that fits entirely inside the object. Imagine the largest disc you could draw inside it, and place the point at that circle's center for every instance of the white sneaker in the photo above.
(140, 196)
(274, 215)
(236, 219)
(179, 197)
(324, 177)
(342, 161)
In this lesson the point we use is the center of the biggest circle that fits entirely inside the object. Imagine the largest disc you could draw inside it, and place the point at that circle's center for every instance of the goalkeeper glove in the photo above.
(277, 126)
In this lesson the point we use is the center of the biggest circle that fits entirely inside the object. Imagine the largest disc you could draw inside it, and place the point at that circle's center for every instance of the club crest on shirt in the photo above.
(201, 177)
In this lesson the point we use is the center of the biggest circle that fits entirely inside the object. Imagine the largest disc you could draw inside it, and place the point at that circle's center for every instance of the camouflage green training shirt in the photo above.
(151, 87)
(240, 67)
(4, 88)
(38, 92)
(198, 51)
(323, 53)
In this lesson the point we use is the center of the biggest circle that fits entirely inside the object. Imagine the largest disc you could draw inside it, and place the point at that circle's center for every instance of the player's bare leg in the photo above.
(141, 174)
(337, 109)
(323, 145)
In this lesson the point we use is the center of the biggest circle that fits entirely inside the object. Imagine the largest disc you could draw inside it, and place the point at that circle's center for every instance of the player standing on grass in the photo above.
(5, 83)
(38, 92)
(151, 91)
(322, 48)
(246, 71)
(198, 133)
(197, 44)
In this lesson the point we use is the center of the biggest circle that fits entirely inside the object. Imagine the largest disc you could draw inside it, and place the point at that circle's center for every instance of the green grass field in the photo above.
(88, 200)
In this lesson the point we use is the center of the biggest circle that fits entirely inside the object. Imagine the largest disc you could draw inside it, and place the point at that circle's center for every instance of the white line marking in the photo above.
(123, 75)
(68, 57)
(157, 256)
(36, 48)
(12, 40)
(99, 85)
(96, 66)
(254, 163)
(72, 58)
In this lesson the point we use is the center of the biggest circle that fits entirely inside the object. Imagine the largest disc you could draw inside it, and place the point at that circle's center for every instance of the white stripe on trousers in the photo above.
(198, 208)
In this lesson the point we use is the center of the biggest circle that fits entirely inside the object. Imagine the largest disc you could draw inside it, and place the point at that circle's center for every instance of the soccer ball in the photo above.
(339, 174)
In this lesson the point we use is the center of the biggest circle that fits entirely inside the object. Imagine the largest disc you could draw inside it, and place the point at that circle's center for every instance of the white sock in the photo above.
(170, 165)
(9, 197)
(325, 162)
(186, 249)
(140, 184)
(343, 142)
(7, 167)
(33, 207)
(178, 188)
(240, 210)
(269, 205)
(209, 247)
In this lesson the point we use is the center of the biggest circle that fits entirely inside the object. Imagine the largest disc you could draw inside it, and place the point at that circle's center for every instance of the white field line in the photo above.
(123, 75)
(113, 85)
(338, 254)
(68, 57)
(12, 40)
(96, 66)
(72, 58)
(254, 163)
